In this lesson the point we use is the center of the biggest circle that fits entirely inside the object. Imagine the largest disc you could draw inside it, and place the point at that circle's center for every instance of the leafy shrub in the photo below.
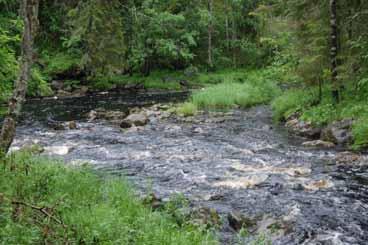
(59, 63)
(321, 114)
(38, 85)
(291, 101)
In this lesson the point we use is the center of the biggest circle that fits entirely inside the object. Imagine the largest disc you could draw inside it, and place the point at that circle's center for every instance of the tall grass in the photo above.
(46, 202)
(252, 88)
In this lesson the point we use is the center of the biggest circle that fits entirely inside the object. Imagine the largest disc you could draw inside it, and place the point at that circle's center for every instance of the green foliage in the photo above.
(38, 85)
(360, 132)
(59, 63)
(292, 101)
(81, 208)
(160, 80)
(252, 89)
(320, 115)
(9, 39)
(304, 102)
(2, 111)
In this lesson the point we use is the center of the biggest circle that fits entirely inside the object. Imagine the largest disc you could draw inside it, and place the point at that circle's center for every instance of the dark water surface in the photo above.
(237, 161)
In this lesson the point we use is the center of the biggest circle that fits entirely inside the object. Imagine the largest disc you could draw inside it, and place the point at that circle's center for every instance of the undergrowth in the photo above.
(44, 202)
(305, 102)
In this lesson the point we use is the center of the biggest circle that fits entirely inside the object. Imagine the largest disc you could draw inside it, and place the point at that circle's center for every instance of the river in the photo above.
(237, 161)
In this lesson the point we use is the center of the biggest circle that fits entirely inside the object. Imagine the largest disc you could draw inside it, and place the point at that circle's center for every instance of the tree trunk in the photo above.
(227, 27)
(334, 51)
(210, 32)
(234, 39)
(29, 10)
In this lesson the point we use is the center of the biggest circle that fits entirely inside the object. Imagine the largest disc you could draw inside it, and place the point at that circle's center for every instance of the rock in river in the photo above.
(339, 132)
(100, 113)
(138, 119)
(237, 221)
(319, 143)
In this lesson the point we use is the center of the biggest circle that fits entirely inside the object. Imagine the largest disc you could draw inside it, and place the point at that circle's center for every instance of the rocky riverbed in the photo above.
(237, 164)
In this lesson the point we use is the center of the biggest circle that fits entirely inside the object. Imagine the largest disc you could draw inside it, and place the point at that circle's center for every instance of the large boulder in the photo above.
(304, 129)
(57, 85)
(80, 92)
(138, 119)
(237, 221)
(339, 132)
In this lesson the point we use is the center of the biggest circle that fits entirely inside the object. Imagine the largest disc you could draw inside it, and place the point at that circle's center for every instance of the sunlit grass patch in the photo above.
(251, 89)
(186, 109)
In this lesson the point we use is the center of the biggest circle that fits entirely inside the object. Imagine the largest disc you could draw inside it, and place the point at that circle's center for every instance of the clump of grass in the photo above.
(254, 89)
(186, 109)
(46, 202)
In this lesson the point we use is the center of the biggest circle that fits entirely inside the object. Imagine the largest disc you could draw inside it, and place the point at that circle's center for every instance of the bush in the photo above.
(291, 101)
(38, 85)
(46, 202)
(59, 63)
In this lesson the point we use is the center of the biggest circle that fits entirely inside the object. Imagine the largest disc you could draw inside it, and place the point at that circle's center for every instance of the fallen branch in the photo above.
(43, 210)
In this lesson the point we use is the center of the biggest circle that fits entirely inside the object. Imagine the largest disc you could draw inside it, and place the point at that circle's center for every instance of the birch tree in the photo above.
(29, 11)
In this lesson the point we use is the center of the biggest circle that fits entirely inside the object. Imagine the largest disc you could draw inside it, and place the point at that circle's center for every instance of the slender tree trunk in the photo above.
(227, 27)
(234, 38)
(334, 51)
(210, 32)
(29, 10)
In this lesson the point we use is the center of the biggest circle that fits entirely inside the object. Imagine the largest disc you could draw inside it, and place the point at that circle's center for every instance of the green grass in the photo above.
(62, 205)
(292, 101)
(186, 109)
(239, 89)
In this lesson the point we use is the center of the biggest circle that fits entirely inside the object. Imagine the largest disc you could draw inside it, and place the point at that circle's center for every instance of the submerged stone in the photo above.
(237, 221)
(319, 144)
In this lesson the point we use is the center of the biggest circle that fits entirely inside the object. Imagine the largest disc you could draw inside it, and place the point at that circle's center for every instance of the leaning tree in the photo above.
(29, 11)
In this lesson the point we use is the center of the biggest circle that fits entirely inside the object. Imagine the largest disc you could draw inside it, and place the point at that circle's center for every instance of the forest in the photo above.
(150, 121)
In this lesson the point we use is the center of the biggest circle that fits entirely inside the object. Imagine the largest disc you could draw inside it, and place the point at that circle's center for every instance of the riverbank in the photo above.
(43, 201)
(300, 109)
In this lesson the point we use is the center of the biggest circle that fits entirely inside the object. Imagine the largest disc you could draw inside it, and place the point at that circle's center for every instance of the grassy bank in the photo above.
(46, 202)
(305, 102)
(232, 89)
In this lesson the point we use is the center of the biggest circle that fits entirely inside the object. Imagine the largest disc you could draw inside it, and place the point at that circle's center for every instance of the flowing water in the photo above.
(234, 161)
